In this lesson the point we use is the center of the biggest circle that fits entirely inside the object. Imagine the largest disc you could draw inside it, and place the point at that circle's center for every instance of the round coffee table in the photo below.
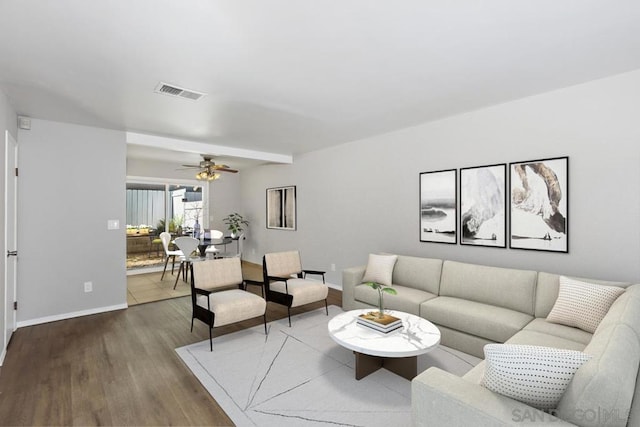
(396, 351)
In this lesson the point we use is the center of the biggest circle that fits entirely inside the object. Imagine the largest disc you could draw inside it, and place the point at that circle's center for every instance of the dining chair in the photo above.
(188, 246)
(238, 252)
(165, 237)
(285, 283)
(211, 249)
(214, 303)
(156, 243)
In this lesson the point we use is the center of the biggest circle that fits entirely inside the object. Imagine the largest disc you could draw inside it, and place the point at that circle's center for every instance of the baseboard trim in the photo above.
(64, 316)
(145, 270)
(331, 285)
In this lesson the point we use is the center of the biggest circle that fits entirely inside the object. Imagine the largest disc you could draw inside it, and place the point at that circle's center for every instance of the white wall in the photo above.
(8, 116)
(223, 193)
(72, 180)
(8, 121)
(362, 197)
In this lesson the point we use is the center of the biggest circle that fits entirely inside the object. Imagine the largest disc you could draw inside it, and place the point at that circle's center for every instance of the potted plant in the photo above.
(381, 290)
(174, 223)
(235, 222)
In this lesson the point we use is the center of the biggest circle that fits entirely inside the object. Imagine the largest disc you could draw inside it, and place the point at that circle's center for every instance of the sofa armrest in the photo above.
(351, 277)
(440, 398)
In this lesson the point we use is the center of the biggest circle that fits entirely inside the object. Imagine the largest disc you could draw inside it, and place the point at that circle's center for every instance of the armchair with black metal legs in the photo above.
(285, 281)
(214, 301)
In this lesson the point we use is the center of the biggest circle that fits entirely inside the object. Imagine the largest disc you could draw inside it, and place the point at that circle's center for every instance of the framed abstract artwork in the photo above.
(281, 208)
(539, 204)
(438, 206)
(483, 206)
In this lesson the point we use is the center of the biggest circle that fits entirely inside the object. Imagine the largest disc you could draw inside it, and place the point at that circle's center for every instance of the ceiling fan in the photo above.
(209, 169)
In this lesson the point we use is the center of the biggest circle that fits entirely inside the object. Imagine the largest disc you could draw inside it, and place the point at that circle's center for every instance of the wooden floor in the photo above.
(143, 288)
(149, 287)
(116, 368)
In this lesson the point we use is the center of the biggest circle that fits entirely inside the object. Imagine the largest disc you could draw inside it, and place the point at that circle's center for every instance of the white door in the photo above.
(11, 237)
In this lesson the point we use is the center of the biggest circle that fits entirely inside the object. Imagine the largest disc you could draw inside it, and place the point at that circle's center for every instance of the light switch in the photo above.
(113, 224)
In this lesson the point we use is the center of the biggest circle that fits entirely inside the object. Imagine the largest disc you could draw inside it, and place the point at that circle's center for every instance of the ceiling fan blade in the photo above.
(207, 165)
(224, 168)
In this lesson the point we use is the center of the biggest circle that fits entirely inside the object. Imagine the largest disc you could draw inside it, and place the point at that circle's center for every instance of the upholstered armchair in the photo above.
(285, 281)
(214, 299)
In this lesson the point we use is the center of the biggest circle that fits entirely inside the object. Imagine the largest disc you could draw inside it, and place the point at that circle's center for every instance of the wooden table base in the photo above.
(406, 367)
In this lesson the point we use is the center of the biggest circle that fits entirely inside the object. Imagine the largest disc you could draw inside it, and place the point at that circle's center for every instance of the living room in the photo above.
(356, 197)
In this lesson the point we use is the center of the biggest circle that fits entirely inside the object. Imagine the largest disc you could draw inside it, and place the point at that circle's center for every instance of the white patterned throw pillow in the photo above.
(582, 305)
(537, 376)
(380, 269)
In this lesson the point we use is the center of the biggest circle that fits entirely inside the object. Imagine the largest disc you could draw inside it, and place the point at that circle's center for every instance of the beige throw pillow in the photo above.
(380, 269)
(582, 305)
(537, 376)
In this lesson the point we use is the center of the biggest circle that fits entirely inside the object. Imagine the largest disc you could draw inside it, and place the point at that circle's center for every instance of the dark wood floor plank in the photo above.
(116, 368)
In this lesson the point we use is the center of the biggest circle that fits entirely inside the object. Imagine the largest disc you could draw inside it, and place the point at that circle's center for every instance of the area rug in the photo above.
(298, 376)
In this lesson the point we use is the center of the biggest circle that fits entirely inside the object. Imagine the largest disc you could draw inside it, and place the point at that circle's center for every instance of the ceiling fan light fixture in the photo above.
(208, 169)
(207, 176)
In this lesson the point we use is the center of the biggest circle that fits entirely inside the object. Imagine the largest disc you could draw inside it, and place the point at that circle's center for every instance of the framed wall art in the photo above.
(539, 193)
(483, 206)
(281, 208)
(438, 206)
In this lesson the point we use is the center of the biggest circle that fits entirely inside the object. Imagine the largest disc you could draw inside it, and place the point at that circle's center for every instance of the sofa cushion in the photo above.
(562, 331)
(582, 305)
(406, 299)
(476, 373)
(380, 269)
(463, 341)
(526, 337)
(547, 290)
(622, 312)
(418, 273)
(494, 323)
(605, 385)
(534, 375)
(502, 287)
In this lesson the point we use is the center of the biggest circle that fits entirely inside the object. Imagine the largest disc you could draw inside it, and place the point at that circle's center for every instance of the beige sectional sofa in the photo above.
(474, 305)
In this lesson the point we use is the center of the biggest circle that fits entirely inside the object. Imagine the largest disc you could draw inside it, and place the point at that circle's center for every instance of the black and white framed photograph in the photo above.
(281, 208)
(483, 206)
(438, 206)
(539, 195)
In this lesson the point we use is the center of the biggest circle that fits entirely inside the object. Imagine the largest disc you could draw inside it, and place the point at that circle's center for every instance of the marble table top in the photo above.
(417, 336)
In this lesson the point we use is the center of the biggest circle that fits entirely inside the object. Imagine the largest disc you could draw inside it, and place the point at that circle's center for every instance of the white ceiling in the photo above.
(292, 76)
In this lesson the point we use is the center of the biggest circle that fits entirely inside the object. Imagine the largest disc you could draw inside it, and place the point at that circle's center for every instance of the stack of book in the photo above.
(385, 324)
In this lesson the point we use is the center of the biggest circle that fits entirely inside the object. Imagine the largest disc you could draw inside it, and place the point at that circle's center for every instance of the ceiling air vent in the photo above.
(180, 92)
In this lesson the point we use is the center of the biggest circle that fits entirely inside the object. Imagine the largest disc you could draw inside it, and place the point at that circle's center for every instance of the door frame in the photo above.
(11, 240)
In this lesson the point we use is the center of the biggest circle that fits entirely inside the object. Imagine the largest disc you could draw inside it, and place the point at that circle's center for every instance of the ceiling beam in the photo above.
(204, 148)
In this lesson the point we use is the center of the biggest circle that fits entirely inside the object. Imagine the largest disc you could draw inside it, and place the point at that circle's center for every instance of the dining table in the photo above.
(206, 242)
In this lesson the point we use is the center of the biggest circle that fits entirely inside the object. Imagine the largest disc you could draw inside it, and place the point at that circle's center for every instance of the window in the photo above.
(156, 207)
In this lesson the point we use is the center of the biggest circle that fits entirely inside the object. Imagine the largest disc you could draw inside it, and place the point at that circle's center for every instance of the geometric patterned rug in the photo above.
(298, 376)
